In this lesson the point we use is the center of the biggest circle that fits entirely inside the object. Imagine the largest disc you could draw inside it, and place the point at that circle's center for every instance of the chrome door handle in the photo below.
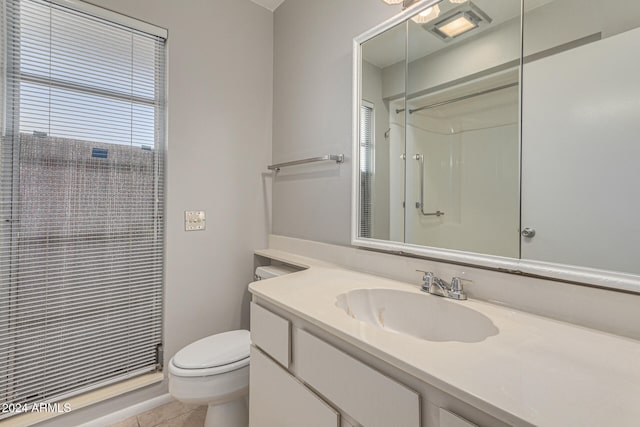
(528, 232)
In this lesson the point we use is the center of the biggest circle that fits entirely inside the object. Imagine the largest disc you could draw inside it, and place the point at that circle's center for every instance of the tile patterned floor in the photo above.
(174, 414)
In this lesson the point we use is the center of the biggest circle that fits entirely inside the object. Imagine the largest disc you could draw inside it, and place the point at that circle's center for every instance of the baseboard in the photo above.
(132, 410)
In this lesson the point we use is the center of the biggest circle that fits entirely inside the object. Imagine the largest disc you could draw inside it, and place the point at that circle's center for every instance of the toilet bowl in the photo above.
(214, 371)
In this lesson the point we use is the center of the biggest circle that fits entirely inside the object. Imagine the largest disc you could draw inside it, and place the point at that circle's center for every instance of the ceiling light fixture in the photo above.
(458, 21)
(457, 25)
(455, 22)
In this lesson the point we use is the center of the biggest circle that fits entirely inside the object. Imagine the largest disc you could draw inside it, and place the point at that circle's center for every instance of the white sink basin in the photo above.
(427, 317)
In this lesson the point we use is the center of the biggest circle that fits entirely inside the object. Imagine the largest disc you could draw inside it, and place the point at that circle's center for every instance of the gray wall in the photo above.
(220, 57)
(312, 112)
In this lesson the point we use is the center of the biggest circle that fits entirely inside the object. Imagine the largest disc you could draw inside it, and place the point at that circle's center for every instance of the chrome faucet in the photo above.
(436, 286)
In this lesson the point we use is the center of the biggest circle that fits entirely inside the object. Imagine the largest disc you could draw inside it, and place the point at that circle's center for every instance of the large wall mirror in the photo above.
(502, 133)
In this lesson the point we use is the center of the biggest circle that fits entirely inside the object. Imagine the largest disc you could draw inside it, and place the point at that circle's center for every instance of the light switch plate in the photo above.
(194, 220)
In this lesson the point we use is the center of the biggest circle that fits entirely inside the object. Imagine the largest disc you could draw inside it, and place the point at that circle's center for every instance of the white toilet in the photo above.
(214, 371)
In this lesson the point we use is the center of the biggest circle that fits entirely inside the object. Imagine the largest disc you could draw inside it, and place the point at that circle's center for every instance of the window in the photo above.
(81, 200)
(366, 168)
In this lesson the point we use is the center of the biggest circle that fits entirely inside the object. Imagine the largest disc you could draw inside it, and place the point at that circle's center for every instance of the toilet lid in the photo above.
(216, 350)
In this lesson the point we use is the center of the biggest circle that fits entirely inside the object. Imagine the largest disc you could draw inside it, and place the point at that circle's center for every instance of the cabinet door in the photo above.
(371, 398)
(277, 399)
(271, 333)
(449, 419)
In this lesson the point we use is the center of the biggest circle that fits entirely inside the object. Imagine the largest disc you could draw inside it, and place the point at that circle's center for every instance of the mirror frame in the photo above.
(606, 279)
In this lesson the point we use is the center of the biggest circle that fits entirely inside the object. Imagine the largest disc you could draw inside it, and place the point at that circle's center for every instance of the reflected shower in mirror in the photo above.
(439, 131)
(504, 134)
(462, 137)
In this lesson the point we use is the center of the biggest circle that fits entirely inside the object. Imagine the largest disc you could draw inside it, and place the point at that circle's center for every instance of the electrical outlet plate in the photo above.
(194, 220)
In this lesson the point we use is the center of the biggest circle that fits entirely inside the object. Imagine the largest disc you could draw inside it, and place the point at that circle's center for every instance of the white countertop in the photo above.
(541, 371)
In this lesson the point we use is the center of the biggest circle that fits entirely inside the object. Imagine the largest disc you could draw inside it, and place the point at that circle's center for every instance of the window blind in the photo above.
(81, 202)
(366, 169)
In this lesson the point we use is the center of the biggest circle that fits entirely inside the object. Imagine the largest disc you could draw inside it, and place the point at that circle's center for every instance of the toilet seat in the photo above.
(213, 355)
(205, 372)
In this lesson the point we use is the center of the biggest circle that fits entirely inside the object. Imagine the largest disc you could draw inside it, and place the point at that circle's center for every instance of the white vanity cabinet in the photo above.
(303, 379)
(272, 334)
(278, 399)
(369, 397)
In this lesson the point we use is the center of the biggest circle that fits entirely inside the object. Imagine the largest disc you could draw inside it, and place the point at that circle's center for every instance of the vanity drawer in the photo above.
(372, 399)
(271, 333)
(279, 399)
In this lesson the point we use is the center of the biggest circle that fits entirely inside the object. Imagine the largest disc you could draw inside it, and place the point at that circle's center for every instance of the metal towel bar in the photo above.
(338, 158)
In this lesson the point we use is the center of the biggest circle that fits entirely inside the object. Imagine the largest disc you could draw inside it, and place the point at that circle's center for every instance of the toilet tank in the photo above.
(269, 271)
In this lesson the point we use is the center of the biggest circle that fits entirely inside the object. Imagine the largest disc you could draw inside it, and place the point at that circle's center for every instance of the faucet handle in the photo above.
(457, 288)
(457, 283)
(426, 275)
(427, 278)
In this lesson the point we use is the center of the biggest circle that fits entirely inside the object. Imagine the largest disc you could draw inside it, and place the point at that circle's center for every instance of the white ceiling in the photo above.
(268, 4)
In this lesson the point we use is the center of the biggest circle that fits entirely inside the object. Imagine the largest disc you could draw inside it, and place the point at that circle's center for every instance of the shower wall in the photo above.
(477, 200)
(471, 157)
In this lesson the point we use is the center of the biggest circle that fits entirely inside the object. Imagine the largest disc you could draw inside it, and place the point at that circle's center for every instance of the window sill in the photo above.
(83, 400)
